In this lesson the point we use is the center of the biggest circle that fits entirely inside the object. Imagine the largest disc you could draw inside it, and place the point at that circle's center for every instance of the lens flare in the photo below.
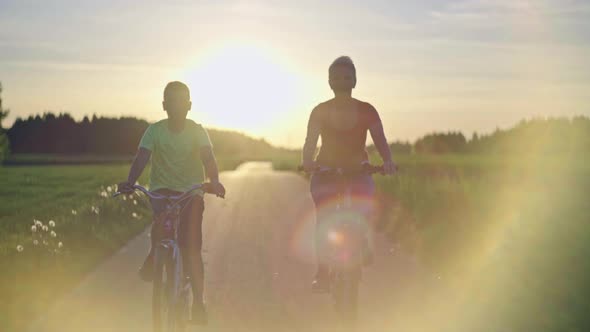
(361, 213)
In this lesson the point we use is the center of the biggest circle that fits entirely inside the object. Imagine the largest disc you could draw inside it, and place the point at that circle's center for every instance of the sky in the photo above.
(259, 67)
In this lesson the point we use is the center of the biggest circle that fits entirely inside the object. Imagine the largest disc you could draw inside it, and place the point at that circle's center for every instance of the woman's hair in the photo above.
(344, 61)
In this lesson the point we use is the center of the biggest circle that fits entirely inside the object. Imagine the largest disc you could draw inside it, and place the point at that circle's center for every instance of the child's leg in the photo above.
(190, 238)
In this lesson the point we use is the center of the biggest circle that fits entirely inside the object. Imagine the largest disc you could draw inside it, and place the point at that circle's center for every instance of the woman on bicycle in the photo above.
(342, 122)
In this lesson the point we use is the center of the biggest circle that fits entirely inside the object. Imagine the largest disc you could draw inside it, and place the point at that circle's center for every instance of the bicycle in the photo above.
(347, 242)
(171, 289)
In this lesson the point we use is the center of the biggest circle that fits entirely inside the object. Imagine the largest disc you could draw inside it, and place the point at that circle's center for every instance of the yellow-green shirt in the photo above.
(176, 158)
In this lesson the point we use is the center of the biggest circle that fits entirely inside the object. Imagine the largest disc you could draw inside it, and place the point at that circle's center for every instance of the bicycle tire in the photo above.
(344, 292)
(171, 290)
(183, 306)
(164, 292)
(158, 293)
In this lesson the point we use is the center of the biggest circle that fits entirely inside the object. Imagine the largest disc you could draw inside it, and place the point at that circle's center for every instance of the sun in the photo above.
(243, 87)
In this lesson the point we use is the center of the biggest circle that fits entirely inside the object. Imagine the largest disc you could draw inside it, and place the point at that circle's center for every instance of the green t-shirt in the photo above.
(176, 158)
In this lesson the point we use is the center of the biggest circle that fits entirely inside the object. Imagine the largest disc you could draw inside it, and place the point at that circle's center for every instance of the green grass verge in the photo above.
(34, 277)
(507, 235)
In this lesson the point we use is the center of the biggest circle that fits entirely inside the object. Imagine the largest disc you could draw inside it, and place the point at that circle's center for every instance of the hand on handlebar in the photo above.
(215, 188)
(125, 187)
(389, 168)
(309, 167)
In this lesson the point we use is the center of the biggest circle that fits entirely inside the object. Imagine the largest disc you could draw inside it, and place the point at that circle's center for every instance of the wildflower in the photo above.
(109, 189)
(34, 228)
(45, 228)
(134, 215)
(124, 197)
(134, 202)
(20, 248)
(59, 245)
(38, 222)
(74, 212)
(53, 234)
(51, 223)
(104, 194)
(35, 242)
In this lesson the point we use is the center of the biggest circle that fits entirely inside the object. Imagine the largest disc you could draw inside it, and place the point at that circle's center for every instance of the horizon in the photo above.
(468, 136)
(434, 66)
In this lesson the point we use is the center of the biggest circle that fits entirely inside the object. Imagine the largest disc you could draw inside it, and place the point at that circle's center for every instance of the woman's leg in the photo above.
(323, 190)
(362, 189)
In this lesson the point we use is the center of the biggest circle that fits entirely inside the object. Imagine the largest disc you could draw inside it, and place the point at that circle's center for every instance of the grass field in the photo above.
(508, 237)
(89, 224)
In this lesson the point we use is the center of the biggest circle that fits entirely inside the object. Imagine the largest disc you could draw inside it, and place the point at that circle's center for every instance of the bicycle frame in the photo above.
(345, 274)
(168, 257)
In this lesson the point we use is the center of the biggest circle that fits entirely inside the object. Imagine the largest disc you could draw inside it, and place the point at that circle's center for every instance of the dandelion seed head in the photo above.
(53, 234)
(134, 202)
(134, 215)
(51, 223)
(45, 228)
(34, 228)
(36, 242)
(59, 245)
(20, 248)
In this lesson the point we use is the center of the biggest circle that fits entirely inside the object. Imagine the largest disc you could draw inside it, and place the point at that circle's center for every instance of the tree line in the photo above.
(61, 134)
(50, 133)
(4, 145)
(532, 136)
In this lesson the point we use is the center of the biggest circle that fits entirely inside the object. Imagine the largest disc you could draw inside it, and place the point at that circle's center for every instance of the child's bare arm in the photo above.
(141, 159)
(211, 169)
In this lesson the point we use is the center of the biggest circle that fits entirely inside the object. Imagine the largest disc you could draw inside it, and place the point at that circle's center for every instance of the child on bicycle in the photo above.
(178, 148)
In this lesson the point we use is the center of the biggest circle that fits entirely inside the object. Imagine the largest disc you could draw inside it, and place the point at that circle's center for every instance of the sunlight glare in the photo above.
(243, 87)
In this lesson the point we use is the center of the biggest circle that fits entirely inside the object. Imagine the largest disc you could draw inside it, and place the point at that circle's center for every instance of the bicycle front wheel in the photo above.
(164, 293)
(159, 297)
(345, 285)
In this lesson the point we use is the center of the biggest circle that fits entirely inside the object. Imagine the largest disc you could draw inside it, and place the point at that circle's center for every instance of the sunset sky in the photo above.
(261, 66)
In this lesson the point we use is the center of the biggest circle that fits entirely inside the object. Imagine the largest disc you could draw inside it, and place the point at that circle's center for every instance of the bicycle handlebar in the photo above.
(364, 169)
(204, 186)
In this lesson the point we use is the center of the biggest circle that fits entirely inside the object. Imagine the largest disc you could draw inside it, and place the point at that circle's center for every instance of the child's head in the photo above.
(177, 100)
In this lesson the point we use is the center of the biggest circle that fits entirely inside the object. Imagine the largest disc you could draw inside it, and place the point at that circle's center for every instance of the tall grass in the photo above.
(508, 236)
(89, 224)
